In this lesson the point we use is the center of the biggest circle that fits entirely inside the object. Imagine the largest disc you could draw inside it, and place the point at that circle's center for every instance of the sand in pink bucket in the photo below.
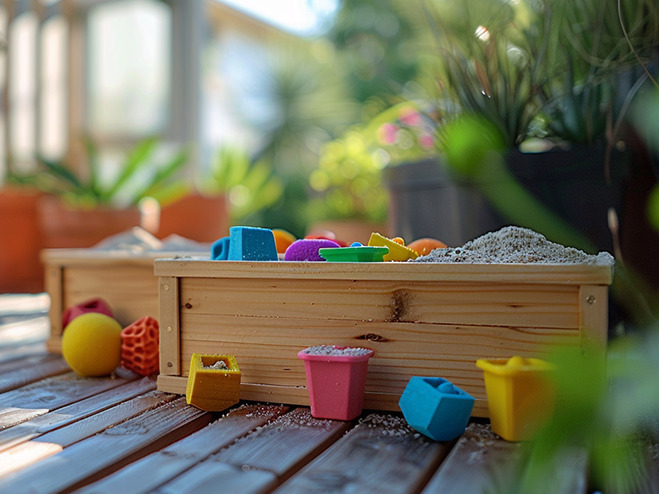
(336, 379)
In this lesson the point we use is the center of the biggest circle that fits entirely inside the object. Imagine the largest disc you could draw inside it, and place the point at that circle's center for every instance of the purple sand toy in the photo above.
(306, 249)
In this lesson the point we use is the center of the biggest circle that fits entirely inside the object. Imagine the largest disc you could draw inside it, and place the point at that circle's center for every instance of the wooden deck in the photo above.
(63, 433)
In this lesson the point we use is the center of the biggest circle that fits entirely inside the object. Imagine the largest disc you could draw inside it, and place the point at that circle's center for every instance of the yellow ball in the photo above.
(91, 344)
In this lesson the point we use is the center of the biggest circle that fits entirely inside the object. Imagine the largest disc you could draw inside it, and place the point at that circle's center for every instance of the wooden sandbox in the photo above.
(421, 319)
(124, 280)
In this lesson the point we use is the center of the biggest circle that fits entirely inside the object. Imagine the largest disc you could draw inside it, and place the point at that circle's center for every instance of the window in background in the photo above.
(3, 83)
(22, 89)
(129, 60)
(53, 128)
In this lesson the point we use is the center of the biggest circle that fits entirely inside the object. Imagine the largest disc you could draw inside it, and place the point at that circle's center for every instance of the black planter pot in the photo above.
(577, 185)
(428, 201)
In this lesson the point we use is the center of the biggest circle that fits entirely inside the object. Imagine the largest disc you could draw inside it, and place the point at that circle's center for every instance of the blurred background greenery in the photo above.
(426, 117)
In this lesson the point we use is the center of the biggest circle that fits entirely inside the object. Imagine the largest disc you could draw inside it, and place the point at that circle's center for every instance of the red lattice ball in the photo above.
(139, 346)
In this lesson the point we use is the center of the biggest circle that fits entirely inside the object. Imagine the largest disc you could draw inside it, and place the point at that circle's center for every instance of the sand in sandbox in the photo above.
(513, 244)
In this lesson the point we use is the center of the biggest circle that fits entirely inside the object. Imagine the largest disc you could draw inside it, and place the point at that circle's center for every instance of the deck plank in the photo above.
(483, 462)
(26, 360)
(220, 478)
(145, 475)
(382, 450)
(480, 460)
(280, 448)
(71, 413)
(107, 452)
(39, 398)
(31, 372)
(55, 441)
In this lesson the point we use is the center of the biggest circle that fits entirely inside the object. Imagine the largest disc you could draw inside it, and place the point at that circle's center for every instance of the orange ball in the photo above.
(423, 246)
(283, 240)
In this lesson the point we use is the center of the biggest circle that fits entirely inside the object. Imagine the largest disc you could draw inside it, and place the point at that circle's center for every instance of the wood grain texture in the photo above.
(483, 462)
(53, 285)
(443, 272)
(266, 351)
(18, 352)
(72, 413)
(480, 462)
(124, 280)
(15, 378)
(532, 305)
(53, 442)
(147, 474)
(170, 337)
(96, 257)
(280, 448)
(25, 361)
(28, 402)
(220, 478)
(593, 319)
(131, 291)
(382, 450)
(425, 319)
(107, 452)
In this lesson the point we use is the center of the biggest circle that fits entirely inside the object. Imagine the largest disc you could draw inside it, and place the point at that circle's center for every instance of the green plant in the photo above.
(550, 68)
(347, 181)
(606, 413)
(141, 174)
(249, 187)
(489, 57)
(600, 53)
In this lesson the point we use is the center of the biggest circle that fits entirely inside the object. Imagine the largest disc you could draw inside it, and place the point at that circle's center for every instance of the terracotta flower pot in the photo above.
(197, 217)
(336, 383)
(20, 241)
(66, 227)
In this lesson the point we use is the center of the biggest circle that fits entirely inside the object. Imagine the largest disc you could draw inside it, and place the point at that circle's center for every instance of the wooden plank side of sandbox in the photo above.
(574, 274)
(486, 304)
(266, 350)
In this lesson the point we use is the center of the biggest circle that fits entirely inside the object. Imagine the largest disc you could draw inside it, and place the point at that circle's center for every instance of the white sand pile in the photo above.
(336, 351)
(514, 244)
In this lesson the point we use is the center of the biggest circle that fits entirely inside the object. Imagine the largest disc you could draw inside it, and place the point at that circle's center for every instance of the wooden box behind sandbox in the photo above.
(124, 280)
(421, 319)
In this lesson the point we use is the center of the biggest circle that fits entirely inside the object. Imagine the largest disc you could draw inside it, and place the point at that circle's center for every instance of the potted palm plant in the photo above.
(520, 71)
(79, 210)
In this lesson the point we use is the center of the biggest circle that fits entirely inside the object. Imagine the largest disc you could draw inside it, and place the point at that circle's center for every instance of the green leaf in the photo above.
(137, 159)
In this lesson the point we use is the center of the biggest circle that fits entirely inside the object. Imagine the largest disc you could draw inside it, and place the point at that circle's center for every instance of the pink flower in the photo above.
(410, 117)
(387, 133)
(426, 141)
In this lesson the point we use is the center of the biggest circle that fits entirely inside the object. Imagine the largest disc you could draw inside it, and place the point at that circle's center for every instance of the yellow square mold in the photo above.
(211, 387)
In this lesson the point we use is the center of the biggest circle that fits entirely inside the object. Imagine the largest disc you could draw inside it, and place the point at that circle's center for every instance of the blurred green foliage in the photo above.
(143, 172)
(347, 181)
(249, 187)
(375, 40)
(607, 412)
(305, 88)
